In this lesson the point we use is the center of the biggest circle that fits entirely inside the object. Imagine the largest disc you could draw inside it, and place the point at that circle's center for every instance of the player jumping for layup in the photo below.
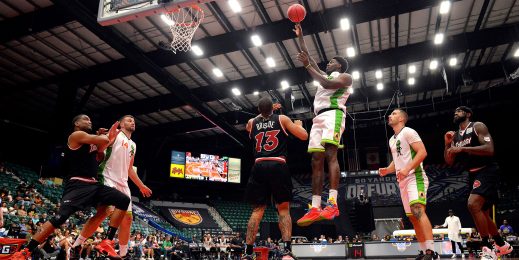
(327, 128)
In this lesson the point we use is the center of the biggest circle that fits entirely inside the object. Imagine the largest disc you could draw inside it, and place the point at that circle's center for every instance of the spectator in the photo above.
(506, 229)
(32, 209)
(49, 248)
(339, 240)
(4, 208)
(13, 210)
(21, 211)
(167, 247)
(43, 217)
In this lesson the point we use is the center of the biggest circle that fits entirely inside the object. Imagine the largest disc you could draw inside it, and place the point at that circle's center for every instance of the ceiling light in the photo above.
(350, 52)
(270, 62)
(284, 84)
(378, 74)
(217, 72)
(167, 20)
(380, 86)
(516, 53)
(236, 91)
(196, 49)
(445, 6)
(256, 40)
(316, 83)
(255, 93)
(235, 6)
(410, 81)
(412, 69)
(350, 89)
(355, 75)
(438, 38)
(433, 64)
(453, 61)
(345, 24)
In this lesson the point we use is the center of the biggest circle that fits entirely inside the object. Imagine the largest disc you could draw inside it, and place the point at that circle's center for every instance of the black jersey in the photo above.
(80, 162)
(269, 136)
(469, 138)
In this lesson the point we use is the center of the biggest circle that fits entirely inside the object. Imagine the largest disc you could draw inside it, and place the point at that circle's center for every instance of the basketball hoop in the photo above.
(184, 22)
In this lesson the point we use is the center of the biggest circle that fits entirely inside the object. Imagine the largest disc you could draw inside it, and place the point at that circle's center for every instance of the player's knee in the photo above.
(318, 157)
(417, 210)
(283, 208)
(473, 206)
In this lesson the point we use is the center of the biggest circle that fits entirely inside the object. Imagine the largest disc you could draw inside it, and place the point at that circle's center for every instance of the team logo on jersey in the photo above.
(476, 184)
(398, 148)
(132, 150)
(469, 130)
(188, 217)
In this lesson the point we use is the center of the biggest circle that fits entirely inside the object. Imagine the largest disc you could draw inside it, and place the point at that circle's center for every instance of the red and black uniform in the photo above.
(269, 175)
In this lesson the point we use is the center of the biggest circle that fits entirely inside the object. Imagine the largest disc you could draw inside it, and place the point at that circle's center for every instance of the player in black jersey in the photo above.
(472, 147)
(82, 190)
(270, 176)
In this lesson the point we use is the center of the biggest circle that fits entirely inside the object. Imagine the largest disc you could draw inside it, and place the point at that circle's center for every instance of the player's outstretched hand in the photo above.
(303, 58)
(448, 137)
(114, 131)
(297, 29)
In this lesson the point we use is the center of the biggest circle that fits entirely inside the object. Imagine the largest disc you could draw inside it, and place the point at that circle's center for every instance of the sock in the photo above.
(484, 242)
(110, 233)
(422, 246)
(498, 240)
(288, 245)
(32, 245)
(333, 196)
(316, 201)
(123, 249)
(248, 249)
(429, 244)
(79, 241)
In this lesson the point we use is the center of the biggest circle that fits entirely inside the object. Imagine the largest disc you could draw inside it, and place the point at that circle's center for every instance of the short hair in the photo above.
(406, 116)
(465, 109)
(76, 118)
(343, 62)
(125, 116)
(265, 105)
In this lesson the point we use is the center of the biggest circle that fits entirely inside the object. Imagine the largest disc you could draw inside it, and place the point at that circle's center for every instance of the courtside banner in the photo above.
(189, 217)
(9, 246)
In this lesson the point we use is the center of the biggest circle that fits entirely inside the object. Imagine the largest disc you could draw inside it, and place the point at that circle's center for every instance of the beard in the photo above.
(458, 120)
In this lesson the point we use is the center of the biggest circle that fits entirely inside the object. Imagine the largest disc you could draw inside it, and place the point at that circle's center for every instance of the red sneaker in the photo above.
(107, 247)
(503, 250)
(330, 211)
(313, 215)
(21, 255)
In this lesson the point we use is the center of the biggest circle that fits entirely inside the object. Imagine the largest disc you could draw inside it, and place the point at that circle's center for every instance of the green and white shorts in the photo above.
(413, 189)
(327, 128)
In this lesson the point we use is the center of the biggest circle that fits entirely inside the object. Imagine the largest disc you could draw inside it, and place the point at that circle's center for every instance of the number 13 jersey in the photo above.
(270, 138)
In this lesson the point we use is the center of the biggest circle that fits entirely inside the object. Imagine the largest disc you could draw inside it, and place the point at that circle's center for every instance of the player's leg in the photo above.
(102, 211)
(475, 204)
(126, 224)
(282, 194)
(257, 194)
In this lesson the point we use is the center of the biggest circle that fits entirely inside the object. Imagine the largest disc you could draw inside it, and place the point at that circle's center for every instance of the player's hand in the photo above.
(298, 122)
(448, 137)
(383, 172)
(101, 131)
(146, 192)
(297, 29)
(453, 151)
(276, 106)
(402, 174)
(114, 131)
(303, 58)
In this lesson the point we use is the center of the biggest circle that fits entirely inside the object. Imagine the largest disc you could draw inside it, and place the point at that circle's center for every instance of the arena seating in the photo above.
(237, 214)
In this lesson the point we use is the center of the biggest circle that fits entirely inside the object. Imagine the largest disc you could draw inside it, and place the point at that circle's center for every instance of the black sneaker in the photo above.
(420, 255)
(288, 255)
(430, 255)
(248, 257)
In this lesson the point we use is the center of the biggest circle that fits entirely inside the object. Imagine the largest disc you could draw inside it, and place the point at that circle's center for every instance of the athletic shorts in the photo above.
(413, 189)
(327, 128)
(122, 188)
(269, 179)
(79, 195)
(484, 182)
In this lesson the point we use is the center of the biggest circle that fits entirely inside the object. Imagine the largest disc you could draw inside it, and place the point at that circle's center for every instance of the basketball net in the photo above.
(185, 21)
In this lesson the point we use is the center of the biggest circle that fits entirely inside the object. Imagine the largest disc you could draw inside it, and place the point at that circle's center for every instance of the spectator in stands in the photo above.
(506, 229)
(237, 244)
(167, 247)
(375, 237)
(148, 247)
(13, 210)
(32, 209)
(473, 243)
(49, 248)
(3, 210)
(43, 217)
(339, 240)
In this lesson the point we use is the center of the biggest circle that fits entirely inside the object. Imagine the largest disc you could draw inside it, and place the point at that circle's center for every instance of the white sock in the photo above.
(316, 201)
(79, 241)
(333, 195)
(123, 250)
(429, 244)
(422, 246)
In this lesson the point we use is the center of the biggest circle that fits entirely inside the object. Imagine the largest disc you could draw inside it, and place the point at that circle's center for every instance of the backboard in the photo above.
(119, 11)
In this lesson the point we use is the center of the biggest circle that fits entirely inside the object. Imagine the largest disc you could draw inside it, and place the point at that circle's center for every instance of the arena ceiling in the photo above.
(56, 60)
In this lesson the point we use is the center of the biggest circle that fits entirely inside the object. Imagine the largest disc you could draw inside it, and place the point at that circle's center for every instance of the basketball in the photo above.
(296, 13)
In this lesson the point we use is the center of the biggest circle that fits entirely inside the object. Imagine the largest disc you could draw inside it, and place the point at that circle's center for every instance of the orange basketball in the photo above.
(296, 13)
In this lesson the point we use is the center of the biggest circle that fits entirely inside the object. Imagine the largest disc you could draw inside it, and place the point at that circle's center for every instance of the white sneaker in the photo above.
(453, 256)
(463, 256)
(487, 254)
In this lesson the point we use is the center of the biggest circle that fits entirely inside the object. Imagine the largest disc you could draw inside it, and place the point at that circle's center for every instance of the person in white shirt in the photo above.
(453, 224)
(408, 152)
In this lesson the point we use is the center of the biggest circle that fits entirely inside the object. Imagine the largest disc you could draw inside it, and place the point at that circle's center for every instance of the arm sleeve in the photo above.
(411, 136)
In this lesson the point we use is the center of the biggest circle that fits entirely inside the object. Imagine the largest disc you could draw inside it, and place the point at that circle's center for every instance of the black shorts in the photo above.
(269, 179)
(79, 195)
(485, 182)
